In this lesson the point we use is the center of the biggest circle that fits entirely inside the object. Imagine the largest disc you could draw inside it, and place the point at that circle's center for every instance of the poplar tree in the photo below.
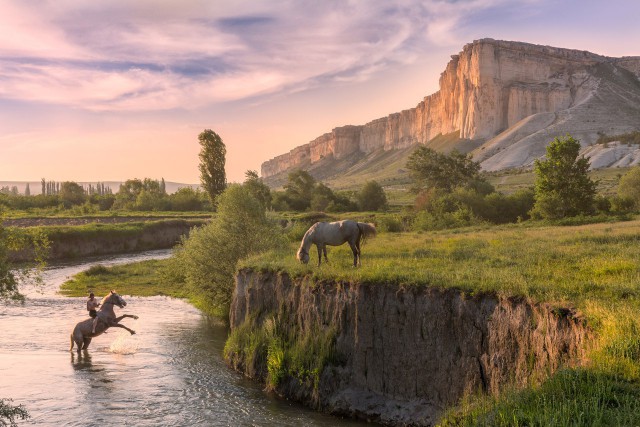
(212, 161)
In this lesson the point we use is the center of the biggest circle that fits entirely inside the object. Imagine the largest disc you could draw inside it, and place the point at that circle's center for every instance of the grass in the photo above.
(547, 263)
(592, 268)
(276, 349)
(137, 279)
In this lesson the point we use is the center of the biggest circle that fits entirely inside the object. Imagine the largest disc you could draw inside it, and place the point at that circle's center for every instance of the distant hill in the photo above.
(35, 187)
(501, 101)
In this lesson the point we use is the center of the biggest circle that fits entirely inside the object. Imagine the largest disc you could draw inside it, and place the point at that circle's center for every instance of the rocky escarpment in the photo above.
(509, 98)
(403, 355)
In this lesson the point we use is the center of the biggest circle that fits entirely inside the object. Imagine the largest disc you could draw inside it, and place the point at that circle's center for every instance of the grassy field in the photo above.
(139, 279)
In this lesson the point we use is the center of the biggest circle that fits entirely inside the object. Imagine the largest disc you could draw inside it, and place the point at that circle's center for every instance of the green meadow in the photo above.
(593, 269)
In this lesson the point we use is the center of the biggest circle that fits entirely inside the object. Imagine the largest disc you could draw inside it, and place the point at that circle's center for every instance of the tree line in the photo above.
(451, 191)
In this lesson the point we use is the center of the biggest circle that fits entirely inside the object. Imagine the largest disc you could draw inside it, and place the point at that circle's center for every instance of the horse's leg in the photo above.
(319, 247)
(324, 251)
(117, 325)
(355, 251)
(359, 251)
(72, 342)
(126, 315)
(86, 342)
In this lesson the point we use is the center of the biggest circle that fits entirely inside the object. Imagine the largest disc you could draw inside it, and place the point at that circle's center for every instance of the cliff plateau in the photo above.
(505, 100)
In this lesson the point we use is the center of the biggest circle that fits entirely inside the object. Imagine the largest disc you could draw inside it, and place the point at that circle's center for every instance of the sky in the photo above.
(112, 90)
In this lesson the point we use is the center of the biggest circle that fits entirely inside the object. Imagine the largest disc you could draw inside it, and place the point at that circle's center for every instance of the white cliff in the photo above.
(508, 98)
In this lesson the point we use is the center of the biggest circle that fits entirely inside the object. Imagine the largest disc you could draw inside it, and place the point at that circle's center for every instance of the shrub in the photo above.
(207, 259)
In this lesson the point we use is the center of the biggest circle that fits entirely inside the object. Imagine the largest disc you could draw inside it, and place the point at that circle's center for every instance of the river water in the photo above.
(170, 373)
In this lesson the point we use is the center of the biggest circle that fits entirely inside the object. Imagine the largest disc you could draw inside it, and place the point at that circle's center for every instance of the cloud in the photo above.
(158, 55)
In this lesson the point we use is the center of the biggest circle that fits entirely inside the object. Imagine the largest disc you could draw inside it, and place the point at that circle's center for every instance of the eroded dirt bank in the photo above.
(70, 243)
(406, 354)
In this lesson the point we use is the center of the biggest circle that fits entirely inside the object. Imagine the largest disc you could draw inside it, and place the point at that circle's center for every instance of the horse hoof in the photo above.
(133, 332)
(135, 317)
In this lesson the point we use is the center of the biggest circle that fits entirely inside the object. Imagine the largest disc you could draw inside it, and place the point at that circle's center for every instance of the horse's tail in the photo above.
(366, 230)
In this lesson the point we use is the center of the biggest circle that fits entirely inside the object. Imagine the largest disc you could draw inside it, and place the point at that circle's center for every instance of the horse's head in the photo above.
(114, 299)
(302, 255)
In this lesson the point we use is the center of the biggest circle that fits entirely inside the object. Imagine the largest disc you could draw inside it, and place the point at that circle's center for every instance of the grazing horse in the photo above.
(336, 233)
(82, 333)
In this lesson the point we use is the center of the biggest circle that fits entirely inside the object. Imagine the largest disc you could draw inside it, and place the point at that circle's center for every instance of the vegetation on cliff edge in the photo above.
(593, 269)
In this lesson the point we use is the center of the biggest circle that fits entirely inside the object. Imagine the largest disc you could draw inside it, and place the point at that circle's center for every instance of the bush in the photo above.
(207, 259)
(629, 187)
(372, 197)
(390, 224)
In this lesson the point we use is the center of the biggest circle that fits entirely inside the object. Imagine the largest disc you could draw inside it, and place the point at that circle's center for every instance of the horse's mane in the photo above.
(107, 297)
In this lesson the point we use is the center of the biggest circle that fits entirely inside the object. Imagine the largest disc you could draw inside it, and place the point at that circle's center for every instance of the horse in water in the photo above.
(336, 233)
(82, 333)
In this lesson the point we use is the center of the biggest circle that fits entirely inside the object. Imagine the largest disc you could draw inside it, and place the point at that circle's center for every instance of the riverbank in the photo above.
(68, 242)
(548, 313)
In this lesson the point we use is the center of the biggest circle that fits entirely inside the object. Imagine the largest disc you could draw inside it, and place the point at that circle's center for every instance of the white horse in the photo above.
(336, 233)
(82, 334)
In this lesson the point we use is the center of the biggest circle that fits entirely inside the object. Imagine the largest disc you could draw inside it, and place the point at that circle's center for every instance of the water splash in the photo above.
(124, 344)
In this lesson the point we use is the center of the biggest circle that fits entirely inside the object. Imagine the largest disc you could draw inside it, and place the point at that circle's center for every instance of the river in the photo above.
(170, 373)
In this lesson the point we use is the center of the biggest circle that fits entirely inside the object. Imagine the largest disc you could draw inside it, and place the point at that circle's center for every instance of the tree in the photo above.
(372, 197)
(562, 186)
(299, 189)
(257, 188)
(10, 413)
(72, 193)
(27, 190)
(629, 187)
(431, 169)
(8, 283)
(163, 187)
(212, 161)
(187, 199)
(130, 195)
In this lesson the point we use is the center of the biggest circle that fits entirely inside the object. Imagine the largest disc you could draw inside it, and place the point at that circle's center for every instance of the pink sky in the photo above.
(112, 90)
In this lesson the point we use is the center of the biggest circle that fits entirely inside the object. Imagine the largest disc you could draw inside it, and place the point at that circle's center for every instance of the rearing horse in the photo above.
(334, 234)
(82, 335)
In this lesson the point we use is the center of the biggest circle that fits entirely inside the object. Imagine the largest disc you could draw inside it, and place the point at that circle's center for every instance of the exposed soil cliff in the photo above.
(69, 243)
(406, 354)
(511, 98)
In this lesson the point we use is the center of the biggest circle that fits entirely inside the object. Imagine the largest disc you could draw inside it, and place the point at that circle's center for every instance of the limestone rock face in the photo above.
(512, 98)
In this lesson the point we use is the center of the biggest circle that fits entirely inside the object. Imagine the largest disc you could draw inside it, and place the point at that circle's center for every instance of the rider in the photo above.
(92, 304)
